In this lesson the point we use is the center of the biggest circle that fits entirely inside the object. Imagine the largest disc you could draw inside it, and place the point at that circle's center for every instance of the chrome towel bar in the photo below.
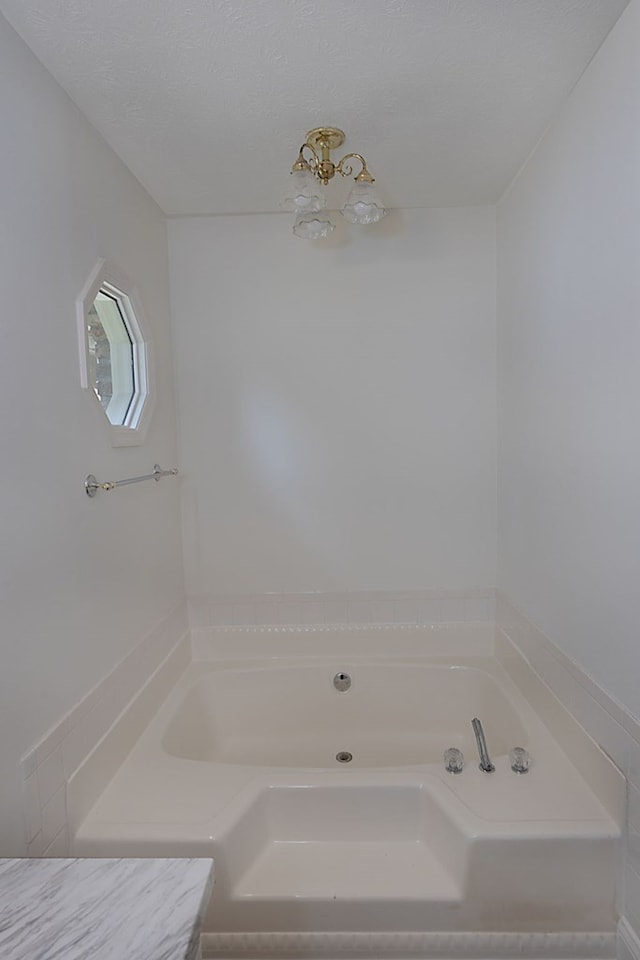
(92, 486)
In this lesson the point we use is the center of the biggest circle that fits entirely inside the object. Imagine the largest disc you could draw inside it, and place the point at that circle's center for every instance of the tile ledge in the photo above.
(349, 627)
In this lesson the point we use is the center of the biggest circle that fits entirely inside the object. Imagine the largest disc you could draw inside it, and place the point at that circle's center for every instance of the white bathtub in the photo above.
(240, 763)
(393, 715)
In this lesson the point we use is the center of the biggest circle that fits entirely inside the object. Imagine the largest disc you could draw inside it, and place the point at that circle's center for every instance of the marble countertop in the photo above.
(103, 909)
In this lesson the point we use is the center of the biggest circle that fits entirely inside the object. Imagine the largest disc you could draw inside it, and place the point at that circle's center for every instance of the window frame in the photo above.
(114, 282)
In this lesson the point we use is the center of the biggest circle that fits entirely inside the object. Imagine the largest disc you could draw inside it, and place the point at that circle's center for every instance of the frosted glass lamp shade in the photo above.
(363, 205)
(303, 192)
(312, 225)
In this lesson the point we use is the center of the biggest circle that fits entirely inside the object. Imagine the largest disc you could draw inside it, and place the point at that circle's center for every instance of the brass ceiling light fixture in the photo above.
(314, 168)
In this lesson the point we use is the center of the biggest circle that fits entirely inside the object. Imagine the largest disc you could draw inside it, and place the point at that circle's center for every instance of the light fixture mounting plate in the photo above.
(330, 137)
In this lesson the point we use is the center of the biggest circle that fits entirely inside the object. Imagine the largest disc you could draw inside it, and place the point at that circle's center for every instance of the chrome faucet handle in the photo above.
(520, 760)
(453, 760)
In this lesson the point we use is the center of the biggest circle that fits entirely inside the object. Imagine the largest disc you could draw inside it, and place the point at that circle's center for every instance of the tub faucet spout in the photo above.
(485, 760)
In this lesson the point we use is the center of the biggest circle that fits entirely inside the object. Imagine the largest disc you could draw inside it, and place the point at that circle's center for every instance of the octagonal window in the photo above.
(114, 353)
(112, 368)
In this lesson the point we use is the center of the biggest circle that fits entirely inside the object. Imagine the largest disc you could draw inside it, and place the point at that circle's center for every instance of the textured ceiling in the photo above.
(207, 101)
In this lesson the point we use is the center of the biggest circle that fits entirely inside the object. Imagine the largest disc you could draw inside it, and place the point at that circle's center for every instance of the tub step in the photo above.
(332, 870)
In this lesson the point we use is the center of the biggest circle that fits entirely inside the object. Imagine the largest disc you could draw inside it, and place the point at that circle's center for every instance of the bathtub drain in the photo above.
(344, 756)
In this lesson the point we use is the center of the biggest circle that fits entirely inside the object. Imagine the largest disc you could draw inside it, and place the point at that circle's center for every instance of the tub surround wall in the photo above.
(358, 607)
(371, 622)
(605, 719)
(82, 582)
(69, 753)
(566, 685)
(569, 702)
(466, 639)
(336, 403)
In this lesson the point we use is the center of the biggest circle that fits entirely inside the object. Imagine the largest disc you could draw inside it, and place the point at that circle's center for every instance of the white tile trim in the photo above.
(418, 608)
(401, 944)
(379, 640)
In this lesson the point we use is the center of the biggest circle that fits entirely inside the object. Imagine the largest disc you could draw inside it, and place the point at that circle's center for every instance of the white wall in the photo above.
(81, 582)
(336, 403)
(569, 372)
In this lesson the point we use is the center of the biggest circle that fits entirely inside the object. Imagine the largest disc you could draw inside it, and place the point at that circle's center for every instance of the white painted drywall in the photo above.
(569, 372)
(81, 582)
(336, 402)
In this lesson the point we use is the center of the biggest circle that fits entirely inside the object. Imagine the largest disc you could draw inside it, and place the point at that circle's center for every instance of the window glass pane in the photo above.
(111, 359)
